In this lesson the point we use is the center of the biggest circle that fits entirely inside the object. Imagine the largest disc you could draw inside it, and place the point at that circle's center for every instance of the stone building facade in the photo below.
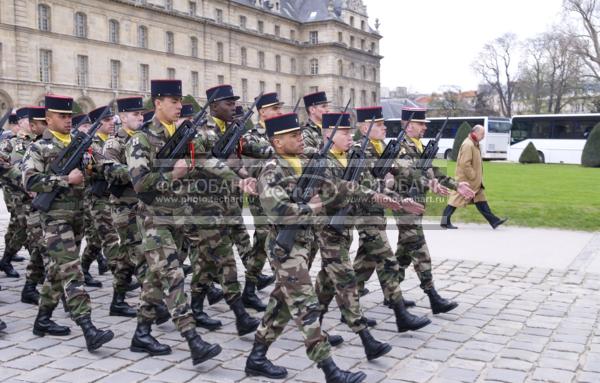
(96, 50)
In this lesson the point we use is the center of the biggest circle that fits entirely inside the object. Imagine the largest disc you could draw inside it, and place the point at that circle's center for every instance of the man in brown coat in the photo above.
(469, 168)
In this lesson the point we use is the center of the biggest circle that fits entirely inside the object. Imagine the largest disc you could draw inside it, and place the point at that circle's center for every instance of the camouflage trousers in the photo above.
(129, 255)
(211, 255)
(38, 250)
(336, 277)
(93, 244)
(161, 237)
(293, 297)
(255, 259)
(63, 231)
(374, 253)
(412, 247)
(16, 232)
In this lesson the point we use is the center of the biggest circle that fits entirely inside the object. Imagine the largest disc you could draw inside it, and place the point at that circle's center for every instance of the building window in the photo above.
(351, 41)
(340, 37)
(363, 73)
(244, 56)
(277, 30)
(170, 42)
(293, 65)
(80, 24)
(313, 37)
(195, 84)
(82, 71)
(261, 26)
(219, 15)
(362, 44)
(352, 21)
(374, 98)
(45, 65)
(220, 53)
(294, 95)
(314, 67)
(372, 47)
(292, 35)
(169, 5)
(244, 90)
(261, 60)
(194, 46)
(144, 77)
(192, 8)
(363, 97)
(313, 89)
(113, 31)
(115, 74)
(352, 97)
(340, 68)
(262, 86)
(278, 63)
(341, 95)
(362, 25)
(44, 17)
(221, 79)
(374, 74)
(278, 90)
(352, 70)
(142, 37)
(243, 22)
(171, 73)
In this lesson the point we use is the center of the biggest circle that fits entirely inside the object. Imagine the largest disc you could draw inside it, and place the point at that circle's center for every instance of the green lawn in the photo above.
(560, 196)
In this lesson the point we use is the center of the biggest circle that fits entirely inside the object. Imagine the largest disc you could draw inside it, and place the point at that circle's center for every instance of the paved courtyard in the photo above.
(515, 323)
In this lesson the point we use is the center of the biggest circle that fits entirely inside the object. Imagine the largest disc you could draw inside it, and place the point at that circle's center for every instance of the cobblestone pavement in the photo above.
(514, 324)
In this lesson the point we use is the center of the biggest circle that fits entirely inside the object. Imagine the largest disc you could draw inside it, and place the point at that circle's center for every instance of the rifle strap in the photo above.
(192, 154)
(240, 148)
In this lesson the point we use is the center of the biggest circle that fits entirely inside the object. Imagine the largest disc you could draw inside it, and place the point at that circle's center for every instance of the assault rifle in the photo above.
(389, 155)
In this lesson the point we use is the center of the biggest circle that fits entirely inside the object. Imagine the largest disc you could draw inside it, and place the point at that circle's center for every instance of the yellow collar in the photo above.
(319, 125)
(65, 138)
(295, 163)
(340, 156)
(222, 125)
(129, 132)
(378, 145)
(262, 124)
(170, 128)
(103, 136)
(418, 144)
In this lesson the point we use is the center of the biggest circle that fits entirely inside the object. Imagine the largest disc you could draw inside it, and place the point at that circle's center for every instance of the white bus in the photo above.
(493, 147)
(558, 138)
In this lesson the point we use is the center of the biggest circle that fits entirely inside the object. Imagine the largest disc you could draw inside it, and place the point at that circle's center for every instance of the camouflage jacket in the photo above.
(12, 175)
(256, 148)
(313, 138)
(115, 169)
(94, 161)
(37, 176)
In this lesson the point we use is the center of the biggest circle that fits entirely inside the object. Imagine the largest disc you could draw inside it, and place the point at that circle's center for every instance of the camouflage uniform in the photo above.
(63, 228)
(93, 244)
(293, 295)
(313, 141)
(256, 145)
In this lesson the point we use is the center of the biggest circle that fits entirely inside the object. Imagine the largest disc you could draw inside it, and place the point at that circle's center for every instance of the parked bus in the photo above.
(493, 147)
(558, 138)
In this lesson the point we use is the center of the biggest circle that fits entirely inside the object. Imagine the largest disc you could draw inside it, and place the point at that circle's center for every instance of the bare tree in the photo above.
(533, 72)
(587, 33)
(496, 67)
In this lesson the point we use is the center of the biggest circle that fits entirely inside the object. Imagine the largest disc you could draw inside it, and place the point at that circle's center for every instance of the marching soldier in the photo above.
(63, 227)
(293, 296)
(12, 127)
(161, 230)
(316, 105)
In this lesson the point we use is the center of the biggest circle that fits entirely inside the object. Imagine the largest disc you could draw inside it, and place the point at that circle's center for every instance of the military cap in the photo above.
(418, 114)
(79, 120)
(317, 98)
(58, 104)
(96, 113)
(23, 113)
(282, 124)
(149, 115)
(187, 110)
(12, 119)
(165, 88)
(331, 119)
(37, 113)
(130, 104)
(367, 114)
(267, 100)
(222, 92)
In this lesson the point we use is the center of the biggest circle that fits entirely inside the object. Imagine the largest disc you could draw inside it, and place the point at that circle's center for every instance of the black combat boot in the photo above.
(65, 305)
(369, 322)
(120, 308)
(94, 338)
(88, 280)
(102, 263)
(2, 325)
(214, 294)
(133, 285)
(363, 291)
(187, 269)
(438, 304)
(257, 363)
(244, 323)
(17, 258)
(142, 341)
(373, 348)
(405, 321)
(263, 281)
(29, 294)
(446, 223)
(333, 374)
(162, 313)
(250, 299)
(407, 303)
(43, 325)
(201, 351)
(202, 319)
(7, 267)
(334, 340)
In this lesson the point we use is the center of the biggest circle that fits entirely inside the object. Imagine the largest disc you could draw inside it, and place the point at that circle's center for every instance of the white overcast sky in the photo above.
(428, 44)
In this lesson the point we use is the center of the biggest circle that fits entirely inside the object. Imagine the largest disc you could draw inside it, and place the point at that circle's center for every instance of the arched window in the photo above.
(142, 37)
(340, 68)
(220, 52)
(170, 42)
(80, 24)
(194, 46)
(363, 73)
(44, 17)
(314, 67)
(278, 63)
(113, 31)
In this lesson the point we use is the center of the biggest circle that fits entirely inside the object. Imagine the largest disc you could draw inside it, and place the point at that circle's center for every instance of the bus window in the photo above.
(433, 128)
(392, 128)
(521, 130)
(498, 126)
(541, 129)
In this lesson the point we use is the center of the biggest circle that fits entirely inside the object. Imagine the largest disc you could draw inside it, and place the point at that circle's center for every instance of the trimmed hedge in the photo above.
(530, 155)
(591, 151)
(461, 134)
